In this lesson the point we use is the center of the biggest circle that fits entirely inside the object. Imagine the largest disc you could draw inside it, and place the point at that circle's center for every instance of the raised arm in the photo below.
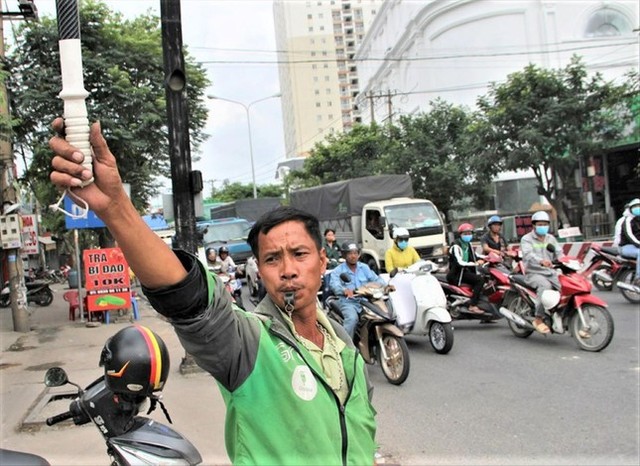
(153, 262)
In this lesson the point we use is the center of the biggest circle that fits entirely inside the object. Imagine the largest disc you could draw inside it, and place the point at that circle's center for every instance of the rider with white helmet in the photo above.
(400, 255)
(537, 258)
(630, 237)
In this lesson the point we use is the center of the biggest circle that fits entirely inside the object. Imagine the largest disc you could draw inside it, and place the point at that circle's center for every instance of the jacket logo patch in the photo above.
(304, 384)
(286, 352)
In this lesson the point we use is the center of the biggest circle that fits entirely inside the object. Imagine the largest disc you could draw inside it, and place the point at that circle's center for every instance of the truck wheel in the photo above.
(371, 262)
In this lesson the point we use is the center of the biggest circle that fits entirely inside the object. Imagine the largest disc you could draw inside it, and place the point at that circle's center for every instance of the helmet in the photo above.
(135, 361)
(465, 227)
(349, 246)
(540, 216)
(400, 232)
(209, 250)
(494, 219)
(223, 249)
(633, 202)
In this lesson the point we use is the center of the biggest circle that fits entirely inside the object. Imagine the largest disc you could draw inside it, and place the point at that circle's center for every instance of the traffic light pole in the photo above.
(183, 181)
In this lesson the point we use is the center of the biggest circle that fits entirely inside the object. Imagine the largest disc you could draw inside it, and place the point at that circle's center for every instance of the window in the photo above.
(329, 103)
(322, 28)
(317, 92)
(318, 117)
(309, 16)
(607, 22)
(314, 66)
(310, 28)
(328, 91)
(315, 79)
(330, 117)
(326, 78)
(318, 104)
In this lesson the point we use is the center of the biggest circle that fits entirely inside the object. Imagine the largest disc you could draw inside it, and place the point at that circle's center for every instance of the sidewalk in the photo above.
(193, 401)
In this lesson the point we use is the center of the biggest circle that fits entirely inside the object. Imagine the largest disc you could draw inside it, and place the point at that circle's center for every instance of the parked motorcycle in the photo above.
(606, 267)
(38, 292)
(376, 335)
(421, 305)
(573, 308)
(114, 400)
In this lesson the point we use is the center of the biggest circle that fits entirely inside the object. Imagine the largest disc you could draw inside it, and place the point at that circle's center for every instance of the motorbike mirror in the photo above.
(551, 248)
(393, 272)
(55, 377)
(344, 276)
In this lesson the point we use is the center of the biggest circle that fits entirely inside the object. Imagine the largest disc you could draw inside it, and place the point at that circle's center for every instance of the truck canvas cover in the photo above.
(250, 209)
(344, 199)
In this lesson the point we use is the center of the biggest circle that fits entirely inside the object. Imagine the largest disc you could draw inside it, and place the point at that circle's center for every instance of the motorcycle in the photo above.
(231, 283)
(496, 283)
(421, 305)
(376, 335)
(130, 439)
(573, 308)
(606, 267)
(38, 292)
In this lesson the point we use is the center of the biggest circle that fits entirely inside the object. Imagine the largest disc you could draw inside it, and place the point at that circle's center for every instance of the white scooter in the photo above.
(421, 305)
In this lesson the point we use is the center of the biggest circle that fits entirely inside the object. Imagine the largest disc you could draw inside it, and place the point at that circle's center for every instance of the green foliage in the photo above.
(234, 191)
(123, 73)
(549, 121)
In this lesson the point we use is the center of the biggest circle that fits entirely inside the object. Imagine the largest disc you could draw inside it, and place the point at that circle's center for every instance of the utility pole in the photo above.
(371, 107)
(17, 288)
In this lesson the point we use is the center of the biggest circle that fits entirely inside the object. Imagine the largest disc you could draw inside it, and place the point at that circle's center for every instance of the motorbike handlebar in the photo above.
(59, 418)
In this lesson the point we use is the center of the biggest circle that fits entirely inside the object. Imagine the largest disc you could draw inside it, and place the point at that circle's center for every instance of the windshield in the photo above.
(413, 216)
(227, 232)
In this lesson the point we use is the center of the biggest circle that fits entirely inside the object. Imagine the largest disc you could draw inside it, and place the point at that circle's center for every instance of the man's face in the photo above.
(290, 261)
(495, 227)
(330, 236)
(352, 257)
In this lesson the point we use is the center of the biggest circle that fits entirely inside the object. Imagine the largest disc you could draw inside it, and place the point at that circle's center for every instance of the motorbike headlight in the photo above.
(438, 251)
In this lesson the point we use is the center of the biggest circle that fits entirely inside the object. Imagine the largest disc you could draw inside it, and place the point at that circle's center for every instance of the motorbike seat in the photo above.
(520, 280)
(610, 250)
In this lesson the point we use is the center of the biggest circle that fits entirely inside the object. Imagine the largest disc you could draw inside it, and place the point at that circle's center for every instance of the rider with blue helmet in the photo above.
(493, 240)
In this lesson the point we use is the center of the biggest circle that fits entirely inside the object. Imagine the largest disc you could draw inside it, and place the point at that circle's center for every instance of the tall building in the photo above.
(317, 41)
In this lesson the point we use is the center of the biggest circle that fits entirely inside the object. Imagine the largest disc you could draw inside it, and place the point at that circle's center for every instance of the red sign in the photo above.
(107, 279)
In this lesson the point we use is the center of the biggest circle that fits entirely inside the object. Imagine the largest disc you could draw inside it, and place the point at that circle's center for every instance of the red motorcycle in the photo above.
(606, 267)
(496, 276)
(573, 308)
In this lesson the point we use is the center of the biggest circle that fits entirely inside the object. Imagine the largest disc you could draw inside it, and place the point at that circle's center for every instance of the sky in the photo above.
(237, 31)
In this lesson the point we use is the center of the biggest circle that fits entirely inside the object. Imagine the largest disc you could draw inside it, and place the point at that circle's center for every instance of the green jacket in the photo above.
(280, 409)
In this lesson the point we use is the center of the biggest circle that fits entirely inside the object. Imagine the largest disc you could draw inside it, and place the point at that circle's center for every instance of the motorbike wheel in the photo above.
(519, 306)
(441, 337)
(628, 276)
(396, 367)
(599, 331)
(45, 298)
(5, 300)
(600, 284)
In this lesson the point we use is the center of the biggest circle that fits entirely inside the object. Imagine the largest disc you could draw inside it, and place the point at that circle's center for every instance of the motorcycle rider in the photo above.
(493, 240)
(400, 255)
(228, 266)
(212, 257)
(630, 237)
(462, 266)
(331, 248)
(359, 273)
(617, 231)
(538, 263)
(286, 358)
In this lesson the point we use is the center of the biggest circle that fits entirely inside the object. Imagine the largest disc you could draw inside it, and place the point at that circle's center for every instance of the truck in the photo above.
(249, 209)
(367, 209)
(231, 232)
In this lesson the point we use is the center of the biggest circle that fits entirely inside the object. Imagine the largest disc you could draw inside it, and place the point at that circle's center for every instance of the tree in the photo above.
(234, 191)
(433, 148)
(123, 73)
(552, 122)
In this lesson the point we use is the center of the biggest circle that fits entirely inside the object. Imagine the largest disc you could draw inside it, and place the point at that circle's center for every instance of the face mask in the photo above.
(542, 230)
(403, 245)
(636, 211)
(466, 238)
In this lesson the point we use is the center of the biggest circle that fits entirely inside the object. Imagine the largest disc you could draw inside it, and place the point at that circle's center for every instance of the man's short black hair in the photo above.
(329, 230)
(280, 215)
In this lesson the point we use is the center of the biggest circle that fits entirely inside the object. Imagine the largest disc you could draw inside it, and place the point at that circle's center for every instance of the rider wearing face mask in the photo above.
(462, 265)
(400, 255)
(538, 263)
(630, 236)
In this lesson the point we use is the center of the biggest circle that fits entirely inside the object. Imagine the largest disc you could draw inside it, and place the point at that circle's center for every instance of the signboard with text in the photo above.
(107, 279)
(90, 221)
(29, 235)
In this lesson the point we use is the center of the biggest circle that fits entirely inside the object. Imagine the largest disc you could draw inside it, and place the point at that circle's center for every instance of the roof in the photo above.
(155, 222)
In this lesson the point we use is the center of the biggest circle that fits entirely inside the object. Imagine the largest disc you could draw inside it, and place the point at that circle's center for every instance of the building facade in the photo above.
(317, 41)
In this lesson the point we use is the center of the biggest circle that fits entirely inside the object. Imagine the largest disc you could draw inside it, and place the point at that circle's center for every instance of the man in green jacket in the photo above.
(295, 388)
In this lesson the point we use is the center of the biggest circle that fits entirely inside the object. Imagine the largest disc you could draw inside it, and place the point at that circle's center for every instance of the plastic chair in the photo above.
(71, 297)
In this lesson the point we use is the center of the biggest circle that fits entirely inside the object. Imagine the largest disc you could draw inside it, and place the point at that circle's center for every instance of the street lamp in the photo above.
(246, 109)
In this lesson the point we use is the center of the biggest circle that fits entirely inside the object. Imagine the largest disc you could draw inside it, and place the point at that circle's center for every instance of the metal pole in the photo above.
(77, 251)
(253, 170)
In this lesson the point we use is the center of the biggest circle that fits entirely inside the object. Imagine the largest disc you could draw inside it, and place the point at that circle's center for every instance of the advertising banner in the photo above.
(107, 279)
(29, 235)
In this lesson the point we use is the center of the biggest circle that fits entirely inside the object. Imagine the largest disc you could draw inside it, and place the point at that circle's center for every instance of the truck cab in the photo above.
(419, 216)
